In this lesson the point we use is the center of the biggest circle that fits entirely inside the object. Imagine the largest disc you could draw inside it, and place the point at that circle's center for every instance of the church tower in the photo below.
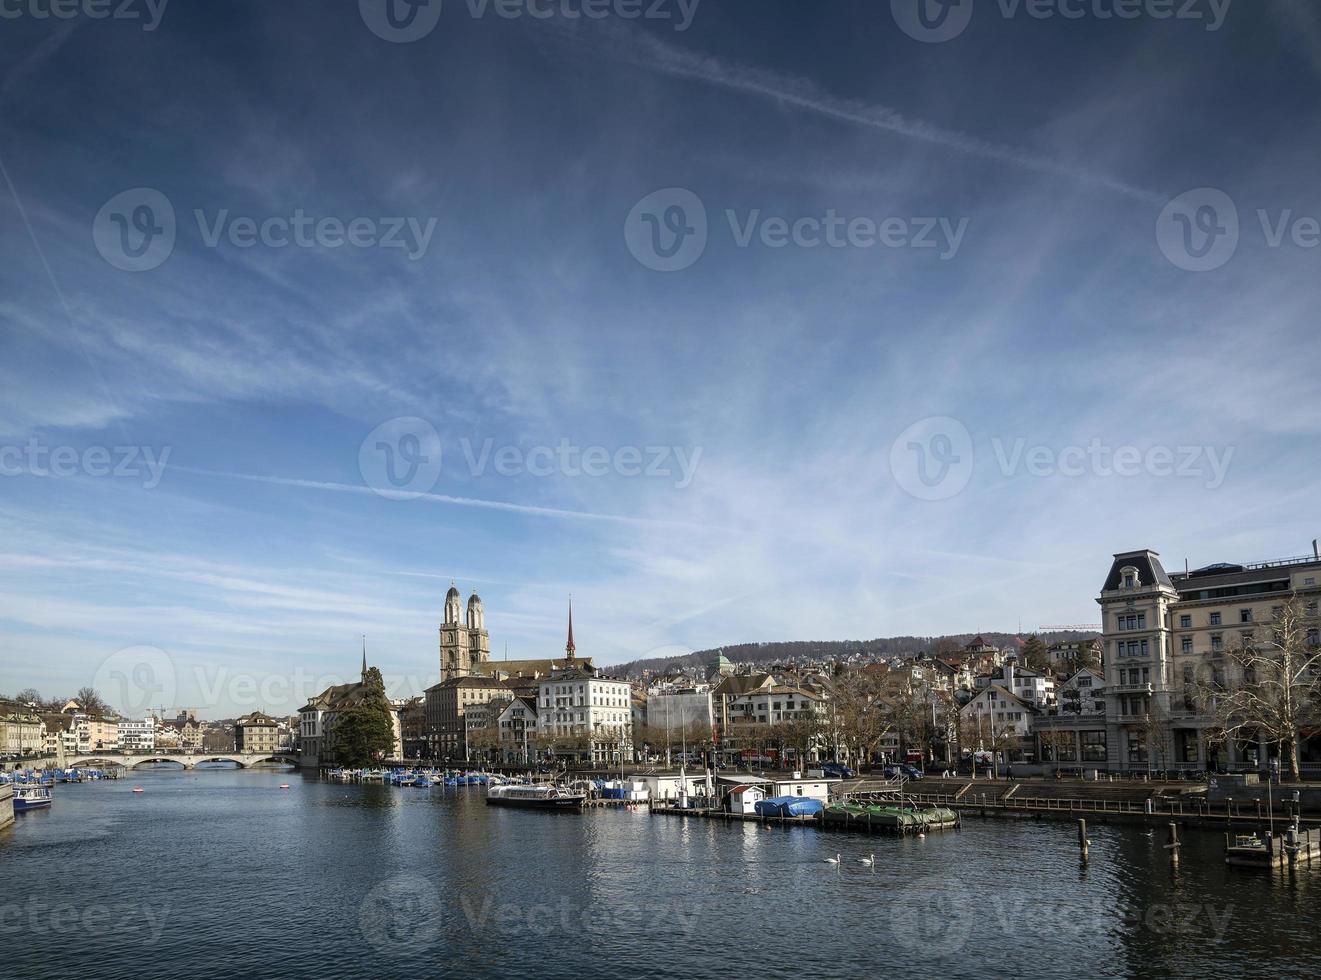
(464, 642)
(453, 638)
(479, 641)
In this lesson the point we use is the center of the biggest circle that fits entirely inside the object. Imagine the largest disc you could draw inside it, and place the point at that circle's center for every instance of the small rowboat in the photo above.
(137, 789)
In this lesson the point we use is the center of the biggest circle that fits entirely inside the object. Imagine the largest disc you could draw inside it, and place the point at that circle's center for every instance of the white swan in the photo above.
(869, 860)
(834, 860)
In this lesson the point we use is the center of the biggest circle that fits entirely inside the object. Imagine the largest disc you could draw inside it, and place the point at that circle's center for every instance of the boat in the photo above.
(535, 797)
(31, 798)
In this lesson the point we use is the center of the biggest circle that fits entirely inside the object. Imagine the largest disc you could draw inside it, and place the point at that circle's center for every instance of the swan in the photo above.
(869, 860)
(834, 860)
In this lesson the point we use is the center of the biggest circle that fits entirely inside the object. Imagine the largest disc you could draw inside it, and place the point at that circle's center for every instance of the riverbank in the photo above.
(6, 805)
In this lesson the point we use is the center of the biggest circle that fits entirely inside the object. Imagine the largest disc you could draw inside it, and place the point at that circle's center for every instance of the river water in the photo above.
(220, 873)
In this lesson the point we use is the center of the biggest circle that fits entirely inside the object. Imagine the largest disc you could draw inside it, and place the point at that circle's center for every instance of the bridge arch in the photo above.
(133, 762)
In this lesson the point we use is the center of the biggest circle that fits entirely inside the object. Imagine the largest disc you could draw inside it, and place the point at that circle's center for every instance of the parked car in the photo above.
(912, 772)
(838, 770)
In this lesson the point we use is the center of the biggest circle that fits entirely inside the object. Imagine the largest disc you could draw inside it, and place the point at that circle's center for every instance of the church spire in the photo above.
(568, 647)
(364, 656)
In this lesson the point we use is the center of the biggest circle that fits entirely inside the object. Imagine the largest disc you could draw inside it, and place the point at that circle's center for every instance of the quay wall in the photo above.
(6, 805)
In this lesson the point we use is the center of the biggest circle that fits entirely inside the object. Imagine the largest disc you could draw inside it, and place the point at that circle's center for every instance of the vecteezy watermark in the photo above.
(402, 21)
(1200, 230)
(567, 459)
(125, 462)
(667, 230)
(485, 914)
(936, 916)
(136, 230)
(137, 679)
(38, 917)
(935, 21)
(149, 12)
(401, 915)
(934, 458)
(401, 459)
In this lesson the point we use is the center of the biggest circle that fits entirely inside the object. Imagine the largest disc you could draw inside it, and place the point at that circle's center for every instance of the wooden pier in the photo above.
(1271, 850)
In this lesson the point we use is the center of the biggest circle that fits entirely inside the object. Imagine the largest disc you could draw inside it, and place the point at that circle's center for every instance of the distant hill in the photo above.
(785, 652)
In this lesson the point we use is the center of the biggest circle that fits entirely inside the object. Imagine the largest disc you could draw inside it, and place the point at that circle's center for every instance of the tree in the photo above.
(1035, 655)
(91, 701)
(1277, 690)
(860, 715)
(29, 695)
(1057, 742)
(364, 732)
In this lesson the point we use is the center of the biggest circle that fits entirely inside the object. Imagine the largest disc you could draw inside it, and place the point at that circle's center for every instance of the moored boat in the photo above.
(535, 797)
(31, 798)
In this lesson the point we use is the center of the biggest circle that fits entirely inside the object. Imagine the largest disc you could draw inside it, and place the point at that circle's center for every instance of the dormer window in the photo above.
(1129, 576)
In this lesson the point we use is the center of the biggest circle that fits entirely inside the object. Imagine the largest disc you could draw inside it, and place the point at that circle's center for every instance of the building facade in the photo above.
(257, 732)
(137, 734)
(1167, 639)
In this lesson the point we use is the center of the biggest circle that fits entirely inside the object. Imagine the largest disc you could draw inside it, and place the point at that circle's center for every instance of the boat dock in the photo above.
(863, 817)
(1272, 850)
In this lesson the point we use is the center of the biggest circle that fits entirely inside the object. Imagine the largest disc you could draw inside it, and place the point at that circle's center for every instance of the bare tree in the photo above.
(1277, 690)
(91, 701)
(1056, 742)
(861, 715)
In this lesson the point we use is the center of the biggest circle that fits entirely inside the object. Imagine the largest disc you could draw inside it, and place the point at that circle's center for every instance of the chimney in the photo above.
(1008, 673)
(1315, 554)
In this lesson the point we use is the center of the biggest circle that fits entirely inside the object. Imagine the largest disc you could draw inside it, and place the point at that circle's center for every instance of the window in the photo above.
(1093, 746)
(1185, 622)
(1186, 644)
(1217, 641)
(1215, 619)
(1245, 615)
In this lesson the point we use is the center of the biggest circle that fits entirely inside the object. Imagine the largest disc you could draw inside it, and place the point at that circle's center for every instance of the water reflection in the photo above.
(221, 873)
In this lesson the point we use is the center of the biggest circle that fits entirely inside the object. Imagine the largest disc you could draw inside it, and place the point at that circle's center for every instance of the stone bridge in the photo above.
(188, 760)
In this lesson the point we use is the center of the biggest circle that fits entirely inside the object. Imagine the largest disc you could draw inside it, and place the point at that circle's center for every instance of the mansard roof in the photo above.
(1146, 561)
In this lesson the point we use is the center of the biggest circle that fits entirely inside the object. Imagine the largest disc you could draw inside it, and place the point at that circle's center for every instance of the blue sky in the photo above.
(878, 437)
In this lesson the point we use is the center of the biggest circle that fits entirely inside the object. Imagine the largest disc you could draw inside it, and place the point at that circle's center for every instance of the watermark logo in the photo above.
(935, 917)
(937, 21)
(401, 458)
(137, 679)
(932, 21)
(933, 459)
(1198, 231)
(401, 916)
(400, 21)
(404, 21)
(134, 230)
(144, 463)
(149, 12)
(666, 231)
(81, 923)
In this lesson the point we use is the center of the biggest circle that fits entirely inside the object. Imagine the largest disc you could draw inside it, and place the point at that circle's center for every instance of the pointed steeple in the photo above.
(364, 656)
(568, 647)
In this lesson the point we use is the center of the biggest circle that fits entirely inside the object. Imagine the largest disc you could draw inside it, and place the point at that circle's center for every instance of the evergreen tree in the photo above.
(364, 733)
(1035, 654)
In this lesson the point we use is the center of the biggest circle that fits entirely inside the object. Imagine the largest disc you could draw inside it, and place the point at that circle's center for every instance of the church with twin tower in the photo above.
(464, 642)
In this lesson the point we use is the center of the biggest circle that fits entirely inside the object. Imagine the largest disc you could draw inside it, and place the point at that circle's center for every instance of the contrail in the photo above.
(650, 52)
(441, 498)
